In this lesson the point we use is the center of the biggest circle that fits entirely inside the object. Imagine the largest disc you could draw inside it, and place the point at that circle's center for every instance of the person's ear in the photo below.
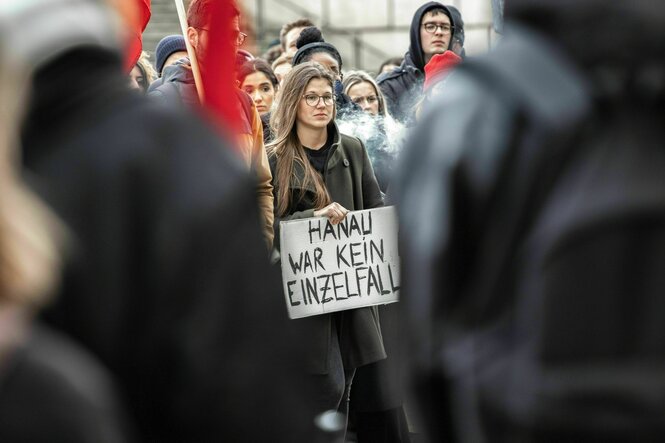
(193, 37)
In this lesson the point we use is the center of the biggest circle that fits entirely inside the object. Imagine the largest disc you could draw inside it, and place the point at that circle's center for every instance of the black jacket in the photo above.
(168, 280)
(533, 234)
(403, 86)
(54, 392)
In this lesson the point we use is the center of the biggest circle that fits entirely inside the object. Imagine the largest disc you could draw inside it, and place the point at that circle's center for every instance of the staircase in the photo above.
(163, 22)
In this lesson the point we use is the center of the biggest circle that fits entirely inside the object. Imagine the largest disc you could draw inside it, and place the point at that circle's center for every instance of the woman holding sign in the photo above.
(319, 172)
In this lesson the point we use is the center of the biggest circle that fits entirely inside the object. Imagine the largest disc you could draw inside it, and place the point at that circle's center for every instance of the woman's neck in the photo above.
(313, 138)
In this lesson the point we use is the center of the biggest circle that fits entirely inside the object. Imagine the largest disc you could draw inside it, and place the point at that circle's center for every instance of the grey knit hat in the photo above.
(167, 46)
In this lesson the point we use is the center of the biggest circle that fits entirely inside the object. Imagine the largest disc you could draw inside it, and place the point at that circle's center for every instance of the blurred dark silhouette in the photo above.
(168, 282)
(51, 391)
(532, 205)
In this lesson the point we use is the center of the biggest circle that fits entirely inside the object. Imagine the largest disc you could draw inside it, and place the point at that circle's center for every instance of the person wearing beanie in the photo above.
(312, 47)
(433, 31)
(169, 50)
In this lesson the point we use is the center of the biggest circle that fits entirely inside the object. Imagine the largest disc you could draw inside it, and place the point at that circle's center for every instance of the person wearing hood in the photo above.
(177, 87)
(433, 31)
(532, 232)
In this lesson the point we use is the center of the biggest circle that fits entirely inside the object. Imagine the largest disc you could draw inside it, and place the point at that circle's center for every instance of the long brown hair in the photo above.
(286, 147)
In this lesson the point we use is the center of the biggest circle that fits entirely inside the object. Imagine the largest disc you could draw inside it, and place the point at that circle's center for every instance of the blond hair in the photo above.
(353, 78)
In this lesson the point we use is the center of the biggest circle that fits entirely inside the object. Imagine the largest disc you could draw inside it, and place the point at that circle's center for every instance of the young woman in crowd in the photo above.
(258, 80)
(363, 91)
(319, 172)
(371, 128)
(142, 74)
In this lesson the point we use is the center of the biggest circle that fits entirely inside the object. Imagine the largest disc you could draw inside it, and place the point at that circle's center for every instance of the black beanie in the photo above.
(310, 42)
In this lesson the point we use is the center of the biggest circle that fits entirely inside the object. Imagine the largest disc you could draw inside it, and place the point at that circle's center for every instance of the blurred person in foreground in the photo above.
(51, 390)
(167, 281)
(433, 31)
(177, 86)
(533, 232)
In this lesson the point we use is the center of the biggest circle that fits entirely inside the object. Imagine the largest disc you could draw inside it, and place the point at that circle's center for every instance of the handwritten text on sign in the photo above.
(328, 268)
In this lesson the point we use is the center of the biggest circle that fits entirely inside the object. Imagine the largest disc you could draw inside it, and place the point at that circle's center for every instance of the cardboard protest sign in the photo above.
(328, 268)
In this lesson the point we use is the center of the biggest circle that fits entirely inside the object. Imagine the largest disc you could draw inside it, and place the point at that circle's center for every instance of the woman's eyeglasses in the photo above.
(313, 100)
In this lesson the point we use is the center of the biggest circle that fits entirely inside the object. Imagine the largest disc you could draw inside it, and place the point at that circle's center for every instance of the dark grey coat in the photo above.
(350, 180)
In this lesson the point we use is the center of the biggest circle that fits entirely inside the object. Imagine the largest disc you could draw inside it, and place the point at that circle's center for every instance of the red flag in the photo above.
(218, 75)
(139, 16)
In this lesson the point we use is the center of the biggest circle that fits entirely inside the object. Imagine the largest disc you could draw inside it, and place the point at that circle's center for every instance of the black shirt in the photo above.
(319, 157)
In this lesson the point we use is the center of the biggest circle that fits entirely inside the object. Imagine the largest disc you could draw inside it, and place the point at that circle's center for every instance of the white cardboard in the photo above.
(328, 268)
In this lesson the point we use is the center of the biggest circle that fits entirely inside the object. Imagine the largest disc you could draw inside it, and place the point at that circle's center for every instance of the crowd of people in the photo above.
(140, 290)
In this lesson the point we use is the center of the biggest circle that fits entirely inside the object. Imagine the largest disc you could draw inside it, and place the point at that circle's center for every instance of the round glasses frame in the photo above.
(313, 100)
(431, 28)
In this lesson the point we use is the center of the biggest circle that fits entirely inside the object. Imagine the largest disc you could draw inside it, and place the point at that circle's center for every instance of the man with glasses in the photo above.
(177, 85)
(433, 31)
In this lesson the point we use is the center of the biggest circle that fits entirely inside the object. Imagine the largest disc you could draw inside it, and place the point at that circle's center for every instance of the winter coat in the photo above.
(350, 181)
(55, 392)
(533, 234)
(402, 87)
(167, 280)
(177, 86)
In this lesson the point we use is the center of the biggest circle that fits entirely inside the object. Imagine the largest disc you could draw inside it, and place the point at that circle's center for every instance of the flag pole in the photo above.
(182, 17)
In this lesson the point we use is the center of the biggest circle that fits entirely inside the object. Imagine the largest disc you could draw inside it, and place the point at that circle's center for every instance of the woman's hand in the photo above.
(334, 211)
